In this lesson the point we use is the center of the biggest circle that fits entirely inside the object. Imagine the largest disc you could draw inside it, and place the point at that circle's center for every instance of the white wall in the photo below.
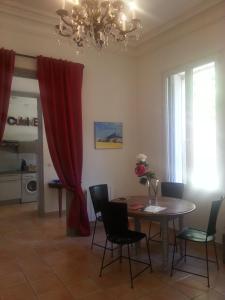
(109, 94)
(167, 53)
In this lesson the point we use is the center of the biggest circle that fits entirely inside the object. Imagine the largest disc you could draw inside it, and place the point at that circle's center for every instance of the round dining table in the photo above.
(162, 210)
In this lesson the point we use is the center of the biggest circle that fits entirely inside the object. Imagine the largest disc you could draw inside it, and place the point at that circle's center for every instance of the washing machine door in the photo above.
(31, 186)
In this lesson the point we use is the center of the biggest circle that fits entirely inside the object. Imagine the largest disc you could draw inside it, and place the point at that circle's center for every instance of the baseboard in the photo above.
(9, 202)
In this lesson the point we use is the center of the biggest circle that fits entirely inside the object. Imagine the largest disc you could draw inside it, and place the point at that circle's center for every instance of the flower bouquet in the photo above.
(146, 176)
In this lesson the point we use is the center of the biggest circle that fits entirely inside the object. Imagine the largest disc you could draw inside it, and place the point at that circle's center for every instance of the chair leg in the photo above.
(121, 253)
(207, 262)
(148, 251)
(149, 230)
(111, 249)
(174, 232)
(217, 262)
(131, 276)
(185, 250)
(93, 236)
(174, 248)
(103, 258)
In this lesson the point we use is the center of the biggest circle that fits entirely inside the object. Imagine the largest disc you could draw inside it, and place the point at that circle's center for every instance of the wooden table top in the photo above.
(173, 206)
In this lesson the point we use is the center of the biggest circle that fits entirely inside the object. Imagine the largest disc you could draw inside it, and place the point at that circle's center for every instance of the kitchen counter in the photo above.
(15, 172)
(10, 185)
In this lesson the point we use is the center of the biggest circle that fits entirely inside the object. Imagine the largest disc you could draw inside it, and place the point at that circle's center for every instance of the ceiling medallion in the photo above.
(98, 22)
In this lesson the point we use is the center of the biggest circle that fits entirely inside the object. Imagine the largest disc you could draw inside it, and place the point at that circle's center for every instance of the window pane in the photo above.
(204, 173)
(177, 127)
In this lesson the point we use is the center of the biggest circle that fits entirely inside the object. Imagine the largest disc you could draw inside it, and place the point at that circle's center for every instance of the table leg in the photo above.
(181, 225)
(137, 224)
(164, 228)
(137, 227)
(60, 201)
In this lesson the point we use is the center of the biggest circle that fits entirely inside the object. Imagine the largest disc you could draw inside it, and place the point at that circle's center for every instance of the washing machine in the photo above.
(29, 187)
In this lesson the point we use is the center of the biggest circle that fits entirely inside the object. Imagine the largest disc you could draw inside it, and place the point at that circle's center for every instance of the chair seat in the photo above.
(129, 237)
(194, 235)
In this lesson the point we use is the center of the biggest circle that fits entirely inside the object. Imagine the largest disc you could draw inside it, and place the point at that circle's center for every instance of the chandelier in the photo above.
(98, 22)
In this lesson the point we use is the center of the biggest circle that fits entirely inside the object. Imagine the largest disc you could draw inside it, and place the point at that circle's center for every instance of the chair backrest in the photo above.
(172, 189)
(211, 230)
(99, 196)
(115, 218)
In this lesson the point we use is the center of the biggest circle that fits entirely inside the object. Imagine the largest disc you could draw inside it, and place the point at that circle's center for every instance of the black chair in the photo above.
(99, 196)
(115, 221)
(200, 236)
(172, 190)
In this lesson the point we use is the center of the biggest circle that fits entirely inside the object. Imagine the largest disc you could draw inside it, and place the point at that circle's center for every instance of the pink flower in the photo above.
(140, 170)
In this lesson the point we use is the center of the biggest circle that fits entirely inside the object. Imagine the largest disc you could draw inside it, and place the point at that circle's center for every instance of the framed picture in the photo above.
(108, 135)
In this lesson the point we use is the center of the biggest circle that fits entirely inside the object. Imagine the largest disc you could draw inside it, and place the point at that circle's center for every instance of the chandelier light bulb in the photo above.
(124, 19)
(74, 2)
(133, 8)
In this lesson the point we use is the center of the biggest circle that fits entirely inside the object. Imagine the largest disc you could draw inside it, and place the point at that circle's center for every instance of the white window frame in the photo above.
(188, 69)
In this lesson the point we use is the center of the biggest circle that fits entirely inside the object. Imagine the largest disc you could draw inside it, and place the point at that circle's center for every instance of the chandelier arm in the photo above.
(67, 23)
(112, 21)
(124, 32)
(129, 31)
(79, 43)
(114, 36)
(105, 14)
(64, 34)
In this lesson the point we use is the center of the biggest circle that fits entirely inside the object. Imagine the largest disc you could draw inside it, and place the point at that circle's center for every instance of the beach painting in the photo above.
(108, 135)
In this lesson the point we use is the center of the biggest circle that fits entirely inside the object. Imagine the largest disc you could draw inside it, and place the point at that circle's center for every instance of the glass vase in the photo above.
(149, 192)
(153, 185)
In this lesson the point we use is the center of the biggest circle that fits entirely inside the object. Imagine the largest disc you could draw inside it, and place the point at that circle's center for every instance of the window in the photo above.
(191, 110)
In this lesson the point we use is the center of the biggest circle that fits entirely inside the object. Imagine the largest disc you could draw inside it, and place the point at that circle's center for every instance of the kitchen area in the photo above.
(19, 181)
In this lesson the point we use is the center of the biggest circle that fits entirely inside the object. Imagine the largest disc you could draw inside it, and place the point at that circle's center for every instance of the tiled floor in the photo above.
(37, 261)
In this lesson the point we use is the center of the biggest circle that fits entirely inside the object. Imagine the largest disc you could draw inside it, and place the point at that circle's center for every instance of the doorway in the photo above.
(21, 160)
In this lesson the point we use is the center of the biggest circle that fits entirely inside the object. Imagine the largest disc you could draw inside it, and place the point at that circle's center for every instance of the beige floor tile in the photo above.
(8, 267)
(165, 294)
(11, 279)
(124, 291)
(210, 295)
(36, 272)
(18, 292)
(58, 294)
(99, 295)
(84, 288)
(46, 284)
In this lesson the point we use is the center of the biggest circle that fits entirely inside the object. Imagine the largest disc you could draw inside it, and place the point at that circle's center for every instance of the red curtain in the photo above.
(7, 62)
(60, 90)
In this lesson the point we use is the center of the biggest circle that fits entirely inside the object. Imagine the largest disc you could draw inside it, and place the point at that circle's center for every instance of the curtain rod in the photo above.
(25, 55)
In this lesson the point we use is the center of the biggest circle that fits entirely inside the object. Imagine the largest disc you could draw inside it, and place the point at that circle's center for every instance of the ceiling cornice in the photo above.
(212, 15)
(13, 8)
(207, 4)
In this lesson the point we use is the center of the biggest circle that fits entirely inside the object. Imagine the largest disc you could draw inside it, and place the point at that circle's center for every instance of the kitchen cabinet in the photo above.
(10, 187)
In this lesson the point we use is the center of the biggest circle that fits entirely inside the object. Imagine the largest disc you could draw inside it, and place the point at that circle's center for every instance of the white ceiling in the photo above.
(154, 14)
